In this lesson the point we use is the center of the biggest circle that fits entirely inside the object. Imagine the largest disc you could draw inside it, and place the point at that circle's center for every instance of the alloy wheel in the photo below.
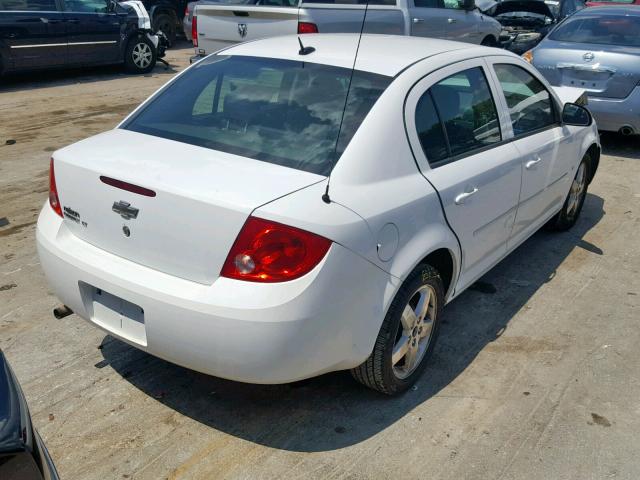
(577, 190)
(414, 331)
(142, 55)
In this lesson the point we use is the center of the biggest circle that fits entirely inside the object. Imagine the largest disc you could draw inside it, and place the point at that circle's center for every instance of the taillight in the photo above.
(267, 251)
(194, 30)
(307, 27)
(54, 201)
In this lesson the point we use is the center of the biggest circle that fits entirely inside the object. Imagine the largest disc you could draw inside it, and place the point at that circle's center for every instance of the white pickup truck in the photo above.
(217, 26)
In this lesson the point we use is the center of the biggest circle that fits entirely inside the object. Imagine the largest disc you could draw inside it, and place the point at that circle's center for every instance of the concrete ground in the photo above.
(535, 375)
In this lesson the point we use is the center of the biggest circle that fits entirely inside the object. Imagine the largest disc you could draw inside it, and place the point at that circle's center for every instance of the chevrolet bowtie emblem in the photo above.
(125, 210)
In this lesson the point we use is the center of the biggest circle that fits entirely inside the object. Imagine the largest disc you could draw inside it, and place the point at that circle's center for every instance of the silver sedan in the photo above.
(598, 49)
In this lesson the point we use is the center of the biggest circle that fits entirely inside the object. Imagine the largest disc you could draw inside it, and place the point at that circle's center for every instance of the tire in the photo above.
(167, 24)
(567, 217)
(140, 55)
(489, 41)
(379, 372)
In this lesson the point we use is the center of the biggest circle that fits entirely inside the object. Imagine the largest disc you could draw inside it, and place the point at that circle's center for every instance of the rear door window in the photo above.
(28, 5)
(352, 2)
(278, 111)
(530, 104)
(86, 6)
(465, 108)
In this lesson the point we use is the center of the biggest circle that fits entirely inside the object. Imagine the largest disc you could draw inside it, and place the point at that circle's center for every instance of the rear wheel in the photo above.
(407, 336)
(140, 55)
(567, 217)
(167, 24)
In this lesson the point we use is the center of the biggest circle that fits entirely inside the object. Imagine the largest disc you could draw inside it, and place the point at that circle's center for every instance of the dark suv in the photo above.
(36, 34)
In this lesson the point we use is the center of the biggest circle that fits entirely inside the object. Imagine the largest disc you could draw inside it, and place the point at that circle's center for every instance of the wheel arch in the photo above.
(442, 253)
(492, 40)
(594, 155)
(160, 9)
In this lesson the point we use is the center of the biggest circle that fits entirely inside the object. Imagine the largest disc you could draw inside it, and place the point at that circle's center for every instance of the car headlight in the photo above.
(527, 37)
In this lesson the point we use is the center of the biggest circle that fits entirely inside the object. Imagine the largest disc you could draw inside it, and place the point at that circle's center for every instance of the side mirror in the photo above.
(111, 6)
(578, 115)
(467, 4)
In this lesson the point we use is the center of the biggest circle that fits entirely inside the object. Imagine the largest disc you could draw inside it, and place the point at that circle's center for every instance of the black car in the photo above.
(526, 22)
(22, 452)
(36, 34)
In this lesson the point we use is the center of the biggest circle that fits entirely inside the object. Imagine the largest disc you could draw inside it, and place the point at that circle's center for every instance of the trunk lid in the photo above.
(202, 199)
(612, 73)
(220, 26)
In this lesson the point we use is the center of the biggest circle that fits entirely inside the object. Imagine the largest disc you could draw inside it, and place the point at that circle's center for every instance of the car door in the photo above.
(427, 18)
(543, 146)
(456, 132)
(32, 33)
(93, 32)
(461, 25)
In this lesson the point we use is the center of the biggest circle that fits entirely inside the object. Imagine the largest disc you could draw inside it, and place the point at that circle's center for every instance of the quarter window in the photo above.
(464, 107)
(529, 102)
(430, 130)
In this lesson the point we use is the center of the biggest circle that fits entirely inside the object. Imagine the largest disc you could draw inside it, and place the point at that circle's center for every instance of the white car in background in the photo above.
(276, 212)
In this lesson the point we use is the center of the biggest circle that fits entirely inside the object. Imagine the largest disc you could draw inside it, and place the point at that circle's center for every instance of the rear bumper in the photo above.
(612, 114)
(258, 333)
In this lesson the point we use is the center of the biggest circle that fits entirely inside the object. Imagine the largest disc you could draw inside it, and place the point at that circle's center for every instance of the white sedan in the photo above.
(273, 213)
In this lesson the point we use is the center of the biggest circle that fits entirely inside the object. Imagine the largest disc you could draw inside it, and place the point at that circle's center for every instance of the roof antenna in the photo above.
(325, 195)
(305, 50)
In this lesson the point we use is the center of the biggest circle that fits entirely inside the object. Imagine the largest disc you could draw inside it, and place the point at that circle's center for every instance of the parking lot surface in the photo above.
(535, 374)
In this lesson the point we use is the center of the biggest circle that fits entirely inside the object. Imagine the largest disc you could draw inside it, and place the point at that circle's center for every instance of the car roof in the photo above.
(382, 54)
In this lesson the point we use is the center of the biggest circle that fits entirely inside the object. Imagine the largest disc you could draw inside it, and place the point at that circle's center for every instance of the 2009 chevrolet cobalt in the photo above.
(276, 212)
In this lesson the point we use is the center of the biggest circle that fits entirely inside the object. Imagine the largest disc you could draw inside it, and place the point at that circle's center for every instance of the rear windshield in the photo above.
(604, 30)
(279, 111)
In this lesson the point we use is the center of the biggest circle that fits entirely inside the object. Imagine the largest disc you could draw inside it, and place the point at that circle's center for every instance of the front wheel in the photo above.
(489, 41)
(567, 217)
(407, 336)
(140, 55)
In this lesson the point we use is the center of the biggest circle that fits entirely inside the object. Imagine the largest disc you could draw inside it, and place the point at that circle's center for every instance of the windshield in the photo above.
(603, 30)
(278, 111)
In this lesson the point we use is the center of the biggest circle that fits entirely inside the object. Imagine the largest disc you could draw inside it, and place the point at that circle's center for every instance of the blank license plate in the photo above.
(119, 316)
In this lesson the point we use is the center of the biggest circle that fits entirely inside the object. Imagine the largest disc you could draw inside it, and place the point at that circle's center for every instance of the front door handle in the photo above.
(463, 196)
(532, 163)
(418, 20)
(73, 20)
(451, 20)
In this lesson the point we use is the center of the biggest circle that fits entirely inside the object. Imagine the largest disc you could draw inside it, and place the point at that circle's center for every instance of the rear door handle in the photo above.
(451, 20)
(459, 200)
(73, 20)
(418, 20)
(532, 163)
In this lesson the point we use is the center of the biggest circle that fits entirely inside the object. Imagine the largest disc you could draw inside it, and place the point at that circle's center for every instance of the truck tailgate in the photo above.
(222, 26)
